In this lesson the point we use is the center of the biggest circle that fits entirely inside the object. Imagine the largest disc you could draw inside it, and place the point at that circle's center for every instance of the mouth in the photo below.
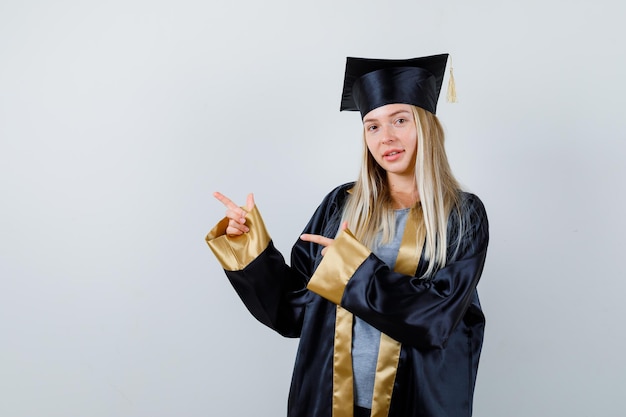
(392, 153)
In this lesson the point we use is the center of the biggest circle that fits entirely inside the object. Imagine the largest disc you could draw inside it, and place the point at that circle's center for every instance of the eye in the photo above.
(372, 128)
(400, 121)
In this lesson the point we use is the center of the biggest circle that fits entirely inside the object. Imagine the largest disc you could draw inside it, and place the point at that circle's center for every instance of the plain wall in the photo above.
(119, 119)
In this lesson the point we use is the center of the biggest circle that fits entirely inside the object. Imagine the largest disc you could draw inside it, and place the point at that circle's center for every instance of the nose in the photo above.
(387, 135)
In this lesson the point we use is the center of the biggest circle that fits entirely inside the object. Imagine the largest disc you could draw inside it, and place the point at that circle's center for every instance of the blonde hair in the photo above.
(369, 210)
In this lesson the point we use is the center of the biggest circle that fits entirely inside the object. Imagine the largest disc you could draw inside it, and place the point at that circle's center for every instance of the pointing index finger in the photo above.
(321, 240)
(225, 200)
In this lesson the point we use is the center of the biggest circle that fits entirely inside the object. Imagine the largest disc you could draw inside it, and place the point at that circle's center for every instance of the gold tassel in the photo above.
(451, 97)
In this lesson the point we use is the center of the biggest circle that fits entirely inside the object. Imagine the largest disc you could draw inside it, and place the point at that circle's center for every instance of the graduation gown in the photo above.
(432, 329)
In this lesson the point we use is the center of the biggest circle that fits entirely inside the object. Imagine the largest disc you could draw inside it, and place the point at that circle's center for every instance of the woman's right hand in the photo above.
(321, 240)
(236, 215)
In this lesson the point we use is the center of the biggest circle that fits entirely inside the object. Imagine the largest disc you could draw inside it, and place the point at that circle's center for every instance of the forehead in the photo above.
(388, 110)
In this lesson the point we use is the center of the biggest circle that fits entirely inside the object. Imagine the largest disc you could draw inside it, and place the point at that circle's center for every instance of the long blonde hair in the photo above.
(369, 211)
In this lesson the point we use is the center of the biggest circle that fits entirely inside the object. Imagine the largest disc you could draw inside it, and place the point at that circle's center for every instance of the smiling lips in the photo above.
(392, 154)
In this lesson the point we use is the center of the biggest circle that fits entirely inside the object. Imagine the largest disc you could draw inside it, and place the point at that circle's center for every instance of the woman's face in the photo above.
(391, 137)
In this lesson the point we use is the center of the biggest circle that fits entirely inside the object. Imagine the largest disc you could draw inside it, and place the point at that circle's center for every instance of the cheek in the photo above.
(412, 140)
(414, 156)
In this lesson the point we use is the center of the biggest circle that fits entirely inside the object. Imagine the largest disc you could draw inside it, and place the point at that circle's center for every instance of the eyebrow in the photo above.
(395, 113)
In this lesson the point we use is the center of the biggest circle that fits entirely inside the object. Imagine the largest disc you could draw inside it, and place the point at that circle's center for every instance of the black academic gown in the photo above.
(438, 321)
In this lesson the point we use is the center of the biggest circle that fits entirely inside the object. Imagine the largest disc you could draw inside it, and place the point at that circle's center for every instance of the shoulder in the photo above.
(338, 195)
(468, 222)
(342, 189)
(471, 207)
(327, 216)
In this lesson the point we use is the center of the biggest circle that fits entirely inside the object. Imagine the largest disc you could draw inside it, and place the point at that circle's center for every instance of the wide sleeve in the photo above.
(420, 312)
(273, 291)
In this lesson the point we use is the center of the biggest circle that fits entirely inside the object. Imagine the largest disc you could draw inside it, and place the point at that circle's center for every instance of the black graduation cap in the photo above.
(372, 83)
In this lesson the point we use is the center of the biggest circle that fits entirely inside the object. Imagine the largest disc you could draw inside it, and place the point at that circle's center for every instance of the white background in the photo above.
(119, 119)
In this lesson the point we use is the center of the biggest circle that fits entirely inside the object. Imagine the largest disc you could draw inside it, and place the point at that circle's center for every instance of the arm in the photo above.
(274, 292)
(268, 287)
(419, 312)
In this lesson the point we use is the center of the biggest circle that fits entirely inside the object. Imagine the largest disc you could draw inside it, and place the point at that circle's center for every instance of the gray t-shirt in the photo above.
(365, 338)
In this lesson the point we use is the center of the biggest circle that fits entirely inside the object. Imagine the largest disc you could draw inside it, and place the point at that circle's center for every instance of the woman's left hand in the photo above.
(321, 240)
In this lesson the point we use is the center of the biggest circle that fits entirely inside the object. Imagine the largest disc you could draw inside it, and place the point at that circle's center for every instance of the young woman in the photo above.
(381, 287)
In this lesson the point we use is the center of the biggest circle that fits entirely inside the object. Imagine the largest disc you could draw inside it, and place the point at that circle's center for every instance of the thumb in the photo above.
(344, 225)
(250, 202)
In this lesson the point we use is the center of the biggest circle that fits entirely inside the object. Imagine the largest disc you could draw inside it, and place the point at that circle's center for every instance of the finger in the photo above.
(238, 215)
(236, 229)
(344, 225)
(250, 202)
(231, 231)
(321, 240)
(225, 200)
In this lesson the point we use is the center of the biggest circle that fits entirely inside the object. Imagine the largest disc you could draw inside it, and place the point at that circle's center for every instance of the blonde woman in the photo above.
(381, 287)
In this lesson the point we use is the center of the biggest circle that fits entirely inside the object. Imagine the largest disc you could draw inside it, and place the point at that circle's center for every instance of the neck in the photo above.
(403, 191)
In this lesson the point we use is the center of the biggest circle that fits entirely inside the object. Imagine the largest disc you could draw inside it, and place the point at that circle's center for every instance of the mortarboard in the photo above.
(372, 83)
